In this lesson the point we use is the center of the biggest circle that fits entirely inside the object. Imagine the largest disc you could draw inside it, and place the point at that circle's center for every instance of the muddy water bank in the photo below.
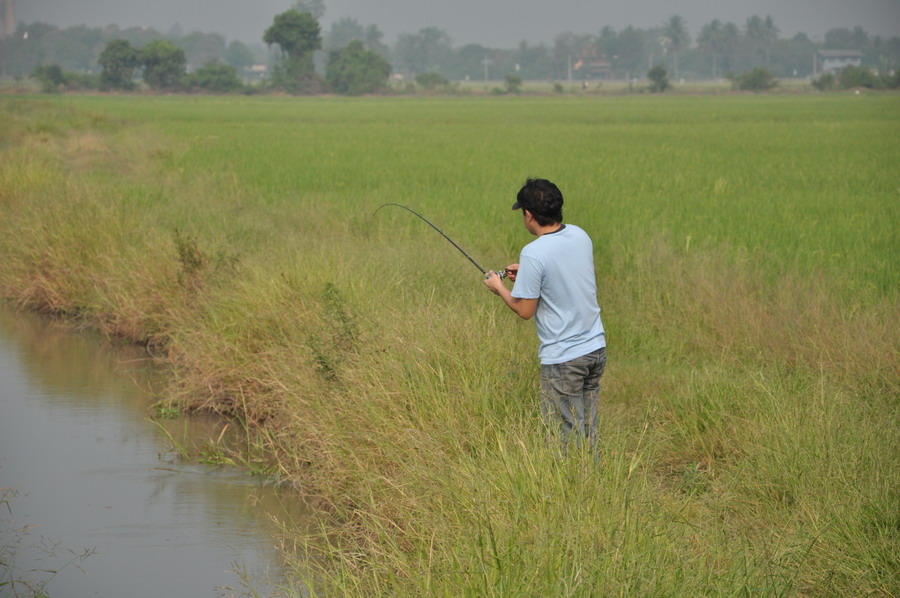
(98, 500)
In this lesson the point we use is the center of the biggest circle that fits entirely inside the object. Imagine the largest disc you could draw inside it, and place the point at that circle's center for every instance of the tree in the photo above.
(659, 79)
(753, 27)
(348, 29)
(608, 41)
(75, 48)
(763, 32)
(343, 32)
(676, 37)
(118, 61)
(354, 70)
(712, 41)
(632, 49)
(238, 54)
(25, 51)
(314, 7)
(373, 41)
(423, 51)
(731, 37)
(175, 32)
(203, 48)
(843, 38)
(770, 35)
(568, 48)
(297, 34)
(214, 76)
(535, 61)
(164, 64)
(790, 57)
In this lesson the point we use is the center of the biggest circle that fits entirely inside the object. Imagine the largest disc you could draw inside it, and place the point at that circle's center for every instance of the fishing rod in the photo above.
(501, 273)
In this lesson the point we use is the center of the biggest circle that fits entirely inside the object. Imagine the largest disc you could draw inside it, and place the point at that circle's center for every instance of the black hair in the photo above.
(543, 199)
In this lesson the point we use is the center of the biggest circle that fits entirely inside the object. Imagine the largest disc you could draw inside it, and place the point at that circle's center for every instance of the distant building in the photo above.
(592, 64)
(596, 68)
(834, 61)
(254, 73)
(7, 18)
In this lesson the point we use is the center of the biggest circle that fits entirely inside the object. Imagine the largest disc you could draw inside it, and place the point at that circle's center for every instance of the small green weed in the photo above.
(164, 411)
(337, 336)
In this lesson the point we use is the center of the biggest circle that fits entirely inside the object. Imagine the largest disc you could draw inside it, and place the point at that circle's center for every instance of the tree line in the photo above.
(353, 58)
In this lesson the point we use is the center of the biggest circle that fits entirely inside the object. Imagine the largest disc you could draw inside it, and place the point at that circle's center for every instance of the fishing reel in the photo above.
(504, 273)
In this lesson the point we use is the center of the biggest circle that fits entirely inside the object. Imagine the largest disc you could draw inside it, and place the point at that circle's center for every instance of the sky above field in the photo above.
(494, 23)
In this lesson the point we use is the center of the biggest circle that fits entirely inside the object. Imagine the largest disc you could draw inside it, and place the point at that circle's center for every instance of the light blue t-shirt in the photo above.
(558, 269)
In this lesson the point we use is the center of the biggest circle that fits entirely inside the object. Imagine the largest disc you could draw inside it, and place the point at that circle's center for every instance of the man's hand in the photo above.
(493, 281)
(512, 271)
(524, 308)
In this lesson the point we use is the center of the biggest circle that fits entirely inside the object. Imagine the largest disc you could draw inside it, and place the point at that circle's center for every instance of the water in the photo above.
(85, 473)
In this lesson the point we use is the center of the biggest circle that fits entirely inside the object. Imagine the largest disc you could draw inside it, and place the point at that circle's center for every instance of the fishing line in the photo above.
(501, 273)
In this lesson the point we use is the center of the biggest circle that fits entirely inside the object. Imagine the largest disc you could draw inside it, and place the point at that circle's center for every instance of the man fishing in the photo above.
(554, 281)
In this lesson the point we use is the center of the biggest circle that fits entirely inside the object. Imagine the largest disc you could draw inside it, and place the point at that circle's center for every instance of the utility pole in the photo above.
(486, 62)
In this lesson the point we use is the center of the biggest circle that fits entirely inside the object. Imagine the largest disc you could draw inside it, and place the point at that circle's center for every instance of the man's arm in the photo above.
(524, 308)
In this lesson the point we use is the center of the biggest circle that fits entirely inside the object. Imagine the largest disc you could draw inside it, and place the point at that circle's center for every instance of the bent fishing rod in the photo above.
(501, 273)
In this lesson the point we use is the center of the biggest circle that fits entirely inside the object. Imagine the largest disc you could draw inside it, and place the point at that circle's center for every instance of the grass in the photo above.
(746, 263)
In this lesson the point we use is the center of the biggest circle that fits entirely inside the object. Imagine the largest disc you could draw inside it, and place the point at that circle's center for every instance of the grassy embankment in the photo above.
(747, 257)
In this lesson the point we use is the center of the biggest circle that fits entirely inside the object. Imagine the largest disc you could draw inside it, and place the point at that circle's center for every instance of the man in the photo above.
(554, 281)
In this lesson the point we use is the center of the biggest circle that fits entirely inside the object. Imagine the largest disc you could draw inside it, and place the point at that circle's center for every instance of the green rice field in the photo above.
(747, 263)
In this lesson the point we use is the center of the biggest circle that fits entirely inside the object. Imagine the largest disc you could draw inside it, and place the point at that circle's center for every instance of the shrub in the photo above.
(214, 76)
(432, 80)
(75, 81)
(659, 79)
(54, 80)
(758, 79)
(859, 76)
(891, 81)
(513, 83)
(50, 76)
(826, 82)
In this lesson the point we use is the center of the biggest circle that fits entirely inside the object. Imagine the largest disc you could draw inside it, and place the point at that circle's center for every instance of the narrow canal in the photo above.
(95, 499)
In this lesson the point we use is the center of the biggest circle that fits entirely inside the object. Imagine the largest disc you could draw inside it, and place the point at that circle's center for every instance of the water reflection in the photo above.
(90, 471)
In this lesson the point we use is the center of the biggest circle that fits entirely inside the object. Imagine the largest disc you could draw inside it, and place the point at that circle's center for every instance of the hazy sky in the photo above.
(494, 23)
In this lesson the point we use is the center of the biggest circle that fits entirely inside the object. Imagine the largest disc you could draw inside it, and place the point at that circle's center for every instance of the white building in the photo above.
(834, 61)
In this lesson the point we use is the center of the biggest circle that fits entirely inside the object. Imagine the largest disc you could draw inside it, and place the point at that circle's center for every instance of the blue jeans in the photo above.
(570, 394)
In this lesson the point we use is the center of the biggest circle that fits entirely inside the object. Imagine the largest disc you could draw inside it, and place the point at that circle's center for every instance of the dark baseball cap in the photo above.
(540, 196)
